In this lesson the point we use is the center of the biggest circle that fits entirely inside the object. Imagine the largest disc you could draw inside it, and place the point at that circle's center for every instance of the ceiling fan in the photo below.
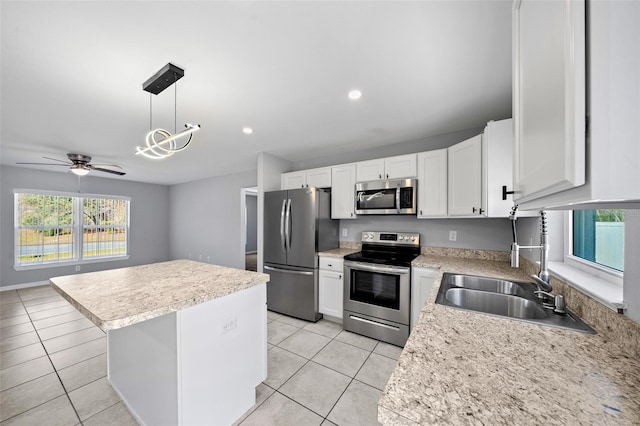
(79, 164)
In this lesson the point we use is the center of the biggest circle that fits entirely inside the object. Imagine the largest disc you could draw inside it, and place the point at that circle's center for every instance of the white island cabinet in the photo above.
(186, 341)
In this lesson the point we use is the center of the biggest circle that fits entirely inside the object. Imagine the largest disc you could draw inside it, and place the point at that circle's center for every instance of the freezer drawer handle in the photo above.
(287, 271)
(353, 317)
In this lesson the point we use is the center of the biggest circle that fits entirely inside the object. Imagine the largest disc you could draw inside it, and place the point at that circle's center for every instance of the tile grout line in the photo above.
(52, 365)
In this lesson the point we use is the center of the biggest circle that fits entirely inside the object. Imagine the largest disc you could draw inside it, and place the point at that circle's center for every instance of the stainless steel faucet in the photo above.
(542, 279)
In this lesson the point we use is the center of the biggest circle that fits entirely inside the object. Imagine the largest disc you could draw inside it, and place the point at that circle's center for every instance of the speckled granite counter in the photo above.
(462, 367)
(120, 297)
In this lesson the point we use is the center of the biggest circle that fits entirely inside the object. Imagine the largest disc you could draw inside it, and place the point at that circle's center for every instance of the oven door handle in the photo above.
(375, 268)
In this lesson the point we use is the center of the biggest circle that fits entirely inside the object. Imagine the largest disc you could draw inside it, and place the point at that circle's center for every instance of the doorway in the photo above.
(250, 198)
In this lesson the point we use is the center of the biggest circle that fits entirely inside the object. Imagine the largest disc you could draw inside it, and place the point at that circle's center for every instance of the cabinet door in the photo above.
(548, 97)
(320, 178)
(343, 179)
(370, 170)
(330, 293)
(293, 180)
(401, 166)
(465, 177)
(421, 284)
(432, 183)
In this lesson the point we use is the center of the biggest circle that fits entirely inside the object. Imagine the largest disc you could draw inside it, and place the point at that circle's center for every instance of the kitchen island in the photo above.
(461, 367)
(186, 341)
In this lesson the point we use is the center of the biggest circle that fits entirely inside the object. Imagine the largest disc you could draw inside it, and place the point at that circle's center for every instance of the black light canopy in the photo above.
(164, 78)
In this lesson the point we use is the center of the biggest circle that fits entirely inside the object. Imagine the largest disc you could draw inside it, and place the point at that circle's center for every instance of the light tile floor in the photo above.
(53, 369)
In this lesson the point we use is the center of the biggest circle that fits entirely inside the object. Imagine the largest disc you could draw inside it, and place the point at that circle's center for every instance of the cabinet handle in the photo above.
(339, 277)
(351, 214)
(481, 211)
(420, 212)
(474, 210)
(387, 175)
(329, 265)
(302, 186)
(505, 192)
(379, 176)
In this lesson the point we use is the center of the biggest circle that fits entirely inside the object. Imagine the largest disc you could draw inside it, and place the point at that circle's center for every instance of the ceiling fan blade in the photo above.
(99, 169)
(48, 164)
(62, 161)
(106, 165)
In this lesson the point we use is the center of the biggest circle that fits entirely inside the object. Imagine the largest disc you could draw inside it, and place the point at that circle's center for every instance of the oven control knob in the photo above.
(413, 238)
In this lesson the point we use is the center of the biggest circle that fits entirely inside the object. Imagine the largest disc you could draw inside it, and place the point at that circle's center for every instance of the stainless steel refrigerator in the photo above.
(297, 225)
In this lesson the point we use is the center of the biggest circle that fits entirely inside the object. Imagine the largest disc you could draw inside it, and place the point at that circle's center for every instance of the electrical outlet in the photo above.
(453, 235)
(78, 268)
(344, 232)
(228, 325)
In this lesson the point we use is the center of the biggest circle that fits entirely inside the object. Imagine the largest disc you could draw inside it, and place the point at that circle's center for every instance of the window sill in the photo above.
(70, 263)
(606, 292)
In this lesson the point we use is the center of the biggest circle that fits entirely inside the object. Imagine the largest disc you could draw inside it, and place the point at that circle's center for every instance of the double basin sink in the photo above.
(510, 299)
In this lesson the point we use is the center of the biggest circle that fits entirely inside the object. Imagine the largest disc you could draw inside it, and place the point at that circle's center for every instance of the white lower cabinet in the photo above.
(330, 283)
(422, 280)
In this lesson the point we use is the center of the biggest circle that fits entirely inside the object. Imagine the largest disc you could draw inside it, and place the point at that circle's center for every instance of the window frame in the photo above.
(78, 229)
(600, 271)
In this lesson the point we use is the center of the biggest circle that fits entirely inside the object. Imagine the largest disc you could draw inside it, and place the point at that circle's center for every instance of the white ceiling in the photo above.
(72, 75)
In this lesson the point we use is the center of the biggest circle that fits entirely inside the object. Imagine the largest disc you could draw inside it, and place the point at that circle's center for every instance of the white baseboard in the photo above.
(25, 285)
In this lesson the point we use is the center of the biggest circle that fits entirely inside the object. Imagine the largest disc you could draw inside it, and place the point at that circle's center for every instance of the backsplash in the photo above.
(611, 325)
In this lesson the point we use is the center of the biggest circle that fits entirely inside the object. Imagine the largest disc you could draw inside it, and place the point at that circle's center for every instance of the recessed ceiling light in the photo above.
(355, 95)
(247, 130)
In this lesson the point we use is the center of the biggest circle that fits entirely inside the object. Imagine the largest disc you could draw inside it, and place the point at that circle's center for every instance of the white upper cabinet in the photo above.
(293, 180)
(401, 166)
(548, 97)
(549, 104)
(320, 177)
(432, 183)
(370, 170)
(343, 191)
(465, 178)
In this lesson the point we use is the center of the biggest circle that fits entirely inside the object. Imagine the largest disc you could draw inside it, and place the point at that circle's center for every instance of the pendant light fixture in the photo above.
(160, 143)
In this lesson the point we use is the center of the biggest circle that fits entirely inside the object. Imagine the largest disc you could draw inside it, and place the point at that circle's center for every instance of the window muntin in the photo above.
(54, 228)
(598, 237)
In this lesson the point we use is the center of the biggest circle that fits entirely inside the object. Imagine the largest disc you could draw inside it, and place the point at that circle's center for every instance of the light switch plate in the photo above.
(453, 235)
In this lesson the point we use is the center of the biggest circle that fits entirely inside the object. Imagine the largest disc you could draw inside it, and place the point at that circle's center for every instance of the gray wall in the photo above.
(486, 234)
(206, 221)
(252, 223)
(149, 219)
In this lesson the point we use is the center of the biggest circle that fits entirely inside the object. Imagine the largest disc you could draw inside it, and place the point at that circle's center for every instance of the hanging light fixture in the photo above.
(160, 143)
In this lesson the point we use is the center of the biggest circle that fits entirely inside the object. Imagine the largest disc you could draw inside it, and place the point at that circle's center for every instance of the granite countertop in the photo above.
(120, 297)
(338, 252)
(461, 367)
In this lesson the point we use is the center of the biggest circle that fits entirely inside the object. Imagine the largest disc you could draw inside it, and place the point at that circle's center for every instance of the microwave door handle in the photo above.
(282, 236)
(398, 199)
(287, 224)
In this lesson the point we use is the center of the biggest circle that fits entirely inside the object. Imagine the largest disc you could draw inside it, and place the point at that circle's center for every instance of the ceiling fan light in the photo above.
(80, 170)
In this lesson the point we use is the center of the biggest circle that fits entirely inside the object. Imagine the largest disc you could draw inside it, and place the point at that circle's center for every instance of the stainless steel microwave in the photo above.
(387, 197)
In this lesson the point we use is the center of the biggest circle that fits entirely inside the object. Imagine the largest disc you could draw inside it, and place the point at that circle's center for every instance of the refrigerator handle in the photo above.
(287, 225)
(282, 239)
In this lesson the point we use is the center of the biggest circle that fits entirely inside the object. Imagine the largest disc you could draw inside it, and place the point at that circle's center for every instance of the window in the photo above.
(598, 237)
(55, 228)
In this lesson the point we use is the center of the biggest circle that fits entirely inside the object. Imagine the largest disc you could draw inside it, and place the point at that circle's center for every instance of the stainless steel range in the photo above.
(377, 287)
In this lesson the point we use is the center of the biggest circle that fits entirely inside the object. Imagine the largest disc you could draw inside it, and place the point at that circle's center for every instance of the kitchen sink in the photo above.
(493, 285)
(495, 303)
(508, 299)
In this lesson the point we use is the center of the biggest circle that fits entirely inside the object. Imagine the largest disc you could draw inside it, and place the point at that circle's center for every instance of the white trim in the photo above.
(606, 292)
(599, 282)
(70, 263)
(24, 285)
